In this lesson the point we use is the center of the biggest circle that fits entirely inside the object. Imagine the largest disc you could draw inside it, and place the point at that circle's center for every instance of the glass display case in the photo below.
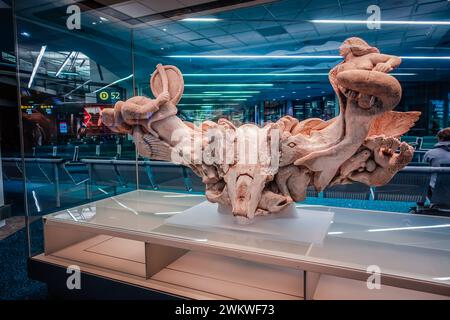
(89, 200)
(134, 237)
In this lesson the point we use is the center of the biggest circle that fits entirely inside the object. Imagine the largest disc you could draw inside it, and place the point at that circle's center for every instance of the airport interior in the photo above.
(74, 191)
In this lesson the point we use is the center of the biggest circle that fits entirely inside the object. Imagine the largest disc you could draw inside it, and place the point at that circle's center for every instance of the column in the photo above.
(289, 108)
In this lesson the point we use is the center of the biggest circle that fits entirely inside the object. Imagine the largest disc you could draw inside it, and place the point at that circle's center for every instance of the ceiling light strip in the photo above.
(113, 83)
(217, 97)
(81, 85)
(66, 61)
(254, 57)
(226, 92)
(270, 74)
(287, 57)
(36, 65)
(394, 22)
(230, 85)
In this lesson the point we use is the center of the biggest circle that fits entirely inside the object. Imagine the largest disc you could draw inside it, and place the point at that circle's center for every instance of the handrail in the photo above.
(171, 164)
(426, 169)
(40, 160)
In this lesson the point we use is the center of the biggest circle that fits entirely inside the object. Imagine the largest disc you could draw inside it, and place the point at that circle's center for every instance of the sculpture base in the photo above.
(291, 224)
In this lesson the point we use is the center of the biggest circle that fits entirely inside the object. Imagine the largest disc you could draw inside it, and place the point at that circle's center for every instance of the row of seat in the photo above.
(420, 143)
(408, 185)
(126, 149)
(151, 175)
(45, 172)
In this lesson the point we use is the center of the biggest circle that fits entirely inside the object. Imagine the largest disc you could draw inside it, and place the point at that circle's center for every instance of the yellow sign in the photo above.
(104, 95)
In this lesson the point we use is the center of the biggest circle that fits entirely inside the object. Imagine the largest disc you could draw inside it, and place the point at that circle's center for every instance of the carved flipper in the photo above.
(151, 147)
(164, 112)
(393, 123)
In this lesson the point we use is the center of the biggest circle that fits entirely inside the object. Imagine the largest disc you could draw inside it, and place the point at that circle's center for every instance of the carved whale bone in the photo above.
(359, 145)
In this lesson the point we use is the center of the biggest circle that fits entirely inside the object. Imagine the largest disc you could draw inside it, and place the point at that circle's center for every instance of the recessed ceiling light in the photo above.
(164, 29)
(294, 92)
(25, 34)
(308, 87)
(309, 96)
(201, 19)
(93, 22)
(103, 19)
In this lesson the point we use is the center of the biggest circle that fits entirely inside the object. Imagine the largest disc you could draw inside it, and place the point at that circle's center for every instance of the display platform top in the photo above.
(399, 246)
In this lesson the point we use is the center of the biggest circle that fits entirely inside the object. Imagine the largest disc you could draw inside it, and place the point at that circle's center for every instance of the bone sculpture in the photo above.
(359, 145)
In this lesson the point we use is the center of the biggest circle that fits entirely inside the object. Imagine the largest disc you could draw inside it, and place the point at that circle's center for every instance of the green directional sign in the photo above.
(109, 96)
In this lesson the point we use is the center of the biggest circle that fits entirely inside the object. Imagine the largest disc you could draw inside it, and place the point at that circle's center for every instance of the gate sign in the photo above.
(104, 95)
(109, 96)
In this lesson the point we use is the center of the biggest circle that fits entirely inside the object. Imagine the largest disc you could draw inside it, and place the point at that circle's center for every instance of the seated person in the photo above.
(439, 155)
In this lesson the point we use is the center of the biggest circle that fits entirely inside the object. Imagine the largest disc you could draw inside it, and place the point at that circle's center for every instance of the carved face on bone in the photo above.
(245, 160)
(256, 171)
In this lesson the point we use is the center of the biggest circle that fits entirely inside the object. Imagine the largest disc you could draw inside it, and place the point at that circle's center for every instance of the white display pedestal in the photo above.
(204, 254)
(291, 224)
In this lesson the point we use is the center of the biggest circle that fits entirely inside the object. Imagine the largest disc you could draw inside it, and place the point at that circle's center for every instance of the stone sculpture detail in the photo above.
(257, 171)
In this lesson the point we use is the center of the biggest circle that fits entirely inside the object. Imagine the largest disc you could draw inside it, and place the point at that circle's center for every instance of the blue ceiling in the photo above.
(259, 28)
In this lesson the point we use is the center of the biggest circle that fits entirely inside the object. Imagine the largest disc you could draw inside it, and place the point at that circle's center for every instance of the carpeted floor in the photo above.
(14, 281)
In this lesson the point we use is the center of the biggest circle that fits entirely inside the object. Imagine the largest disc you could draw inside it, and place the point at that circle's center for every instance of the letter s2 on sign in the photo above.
(374, 280)
(74, 280)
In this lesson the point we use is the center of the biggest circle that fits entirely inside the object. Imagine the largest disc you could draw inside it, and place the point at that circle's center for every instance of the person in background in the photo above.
(439, 155)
